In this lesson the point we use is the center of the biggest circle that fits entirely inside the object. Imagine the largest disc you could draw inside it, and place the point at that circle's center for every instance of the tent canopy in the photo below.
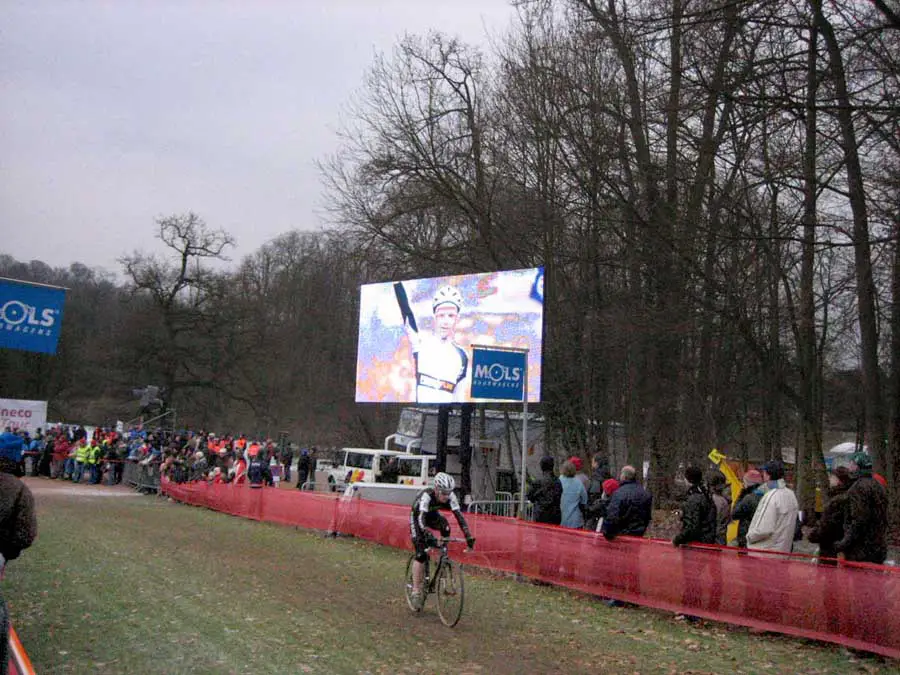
(847, 448)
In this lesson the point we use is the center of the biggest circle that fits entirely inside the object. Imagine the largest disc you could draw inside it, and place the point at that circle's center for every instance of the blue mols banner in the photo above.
(498, 374)
(30, 316)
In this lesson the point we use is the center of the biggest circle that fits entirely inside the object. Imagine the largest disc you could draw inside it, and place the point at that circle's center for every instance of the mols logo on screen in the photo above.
(498, 375)
(30, 316)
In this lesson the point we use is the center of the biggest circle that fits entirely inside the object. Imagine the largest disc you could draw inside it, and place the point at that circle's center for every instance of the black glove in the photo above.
(470, 541)
(431, 541)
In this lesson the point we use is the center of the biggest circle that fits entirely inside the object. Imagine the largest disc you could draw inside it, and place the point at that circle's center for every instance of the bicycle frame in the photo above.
(430, 576)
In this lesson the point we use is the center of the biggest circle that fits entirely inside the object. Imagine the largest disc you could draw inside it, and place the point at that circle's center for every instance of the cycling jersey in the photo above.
(440, 366)
(424, 515)
(427, 502)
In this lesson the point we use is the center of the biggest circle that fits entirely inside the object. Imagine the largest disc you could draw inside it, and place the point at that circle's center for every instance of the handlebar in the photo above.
(442, 542)
(452, 540)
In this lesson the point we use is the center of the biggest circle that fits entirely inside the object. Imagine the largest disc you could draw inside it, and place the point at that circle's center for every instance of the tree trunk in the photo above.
(811, 436)
(865, 284)
(771, 375)
(893, 467)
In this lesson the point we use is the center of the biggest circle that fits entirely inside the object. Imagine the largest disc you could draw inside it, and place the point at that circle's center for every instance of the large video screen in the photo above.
(416, 337)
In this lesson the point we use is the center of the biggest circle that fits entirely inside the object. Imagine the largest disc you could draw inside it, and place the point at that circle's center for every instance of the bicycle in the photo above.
(447, 583)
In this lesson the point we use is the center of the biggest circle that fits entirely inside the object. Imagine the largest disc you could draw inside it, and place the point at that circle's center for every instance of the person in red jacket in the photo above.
(239, 471)
(61, 449)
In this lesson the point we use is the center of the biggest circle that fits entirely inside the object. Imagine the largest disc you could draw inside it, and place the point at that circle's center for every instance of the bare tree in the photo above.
(180, 319)
(415, 171)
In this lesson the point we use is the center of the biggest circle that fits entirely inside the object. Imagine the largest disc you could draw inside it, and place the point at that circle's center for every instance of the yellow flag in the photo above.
(734, 482)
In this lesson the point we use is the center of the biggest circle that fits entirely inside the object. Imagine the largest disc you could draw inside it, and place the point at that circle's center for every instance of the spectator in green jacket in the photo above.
(81, 455)
(92, 461)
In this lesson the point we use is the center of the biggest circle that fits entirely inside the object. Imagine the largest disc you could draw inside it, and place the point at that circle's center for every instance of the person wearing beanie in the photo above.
(597, 504)
(775, 522)
(748, 501)
(865, 527)
(18, 529)
(830, 528)
(630, 506)
(579, 474)
(698, 515)
(545, 494)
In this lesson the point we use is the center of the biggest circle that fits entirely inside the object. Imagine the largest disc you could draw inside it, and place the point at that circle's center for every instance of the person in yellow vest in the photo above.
(81, 453)
(92, 462)
(102, 450)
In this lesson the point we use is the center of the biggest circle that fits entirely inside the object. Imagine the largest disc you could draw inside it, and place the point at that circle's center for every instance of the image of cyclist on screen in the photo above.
(441, 364)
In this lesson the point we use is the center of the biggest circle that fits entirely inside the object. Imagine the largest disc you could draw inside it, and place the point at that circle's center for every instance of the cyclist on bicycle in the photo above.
(425, 516)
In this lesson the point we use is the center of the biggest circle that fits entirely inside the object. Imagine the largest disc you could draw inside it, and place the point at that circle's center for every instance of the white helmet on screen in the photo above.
(447, 294)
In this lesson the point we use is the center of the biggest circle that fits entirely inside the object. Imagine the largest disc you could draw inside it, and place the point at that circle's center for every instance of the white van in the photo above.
(415, 469)
(365, 465)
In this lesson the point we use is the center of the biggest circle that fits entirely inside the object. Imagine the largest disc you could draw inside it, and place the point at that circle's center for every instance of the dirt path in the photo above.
(45, 487)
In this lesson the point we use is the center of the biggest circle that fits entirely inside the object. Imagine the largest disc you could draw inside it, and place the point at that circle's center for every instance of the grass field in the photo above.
(134, 584)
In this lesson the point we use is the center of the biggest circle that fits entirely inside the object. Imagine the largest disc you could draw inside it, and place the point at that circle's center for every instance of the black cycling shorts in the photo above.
(434, 521)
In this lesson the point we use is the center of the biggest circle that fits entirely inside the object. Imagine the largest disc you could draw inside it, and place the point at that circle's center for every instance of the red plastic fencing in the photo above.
(855, 605)
(19, 663)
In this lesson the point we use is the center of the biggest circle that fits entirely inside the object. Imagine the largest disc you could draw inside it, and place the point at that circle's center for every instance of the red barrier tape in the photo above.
(851, 605)
(19, 663)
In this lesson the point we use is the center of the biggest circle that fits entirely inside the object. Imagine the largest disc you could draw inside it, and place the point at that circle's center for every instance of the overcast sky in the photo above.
(114, 113)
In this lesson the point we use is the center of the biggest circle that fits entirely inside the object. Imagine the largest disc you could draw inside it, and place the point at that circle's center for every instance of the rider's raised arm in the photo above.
(412, 334)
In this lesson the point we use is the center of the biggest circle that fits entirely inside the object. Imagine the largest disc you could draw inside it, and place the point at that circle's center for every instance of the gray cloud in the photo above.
(116, 113)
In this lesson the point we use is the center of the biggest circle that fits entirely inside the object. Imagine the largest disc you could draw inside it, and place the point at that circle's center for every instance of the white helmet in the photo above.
(444, 482)
(447, 294)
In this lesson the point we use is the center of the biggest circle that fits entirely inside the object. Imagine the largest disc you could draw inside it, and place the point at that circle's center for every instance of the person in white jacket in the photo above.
(775, 521)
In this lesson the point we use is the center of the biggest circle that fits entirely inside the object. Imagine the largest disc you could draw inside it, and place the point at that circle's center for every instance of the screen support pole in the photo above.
(524, 440)
(443, 428)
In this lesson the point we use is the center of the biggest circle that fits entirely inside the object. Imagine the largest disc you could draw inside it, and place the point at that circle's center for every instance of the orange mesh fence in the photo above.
(849, 604)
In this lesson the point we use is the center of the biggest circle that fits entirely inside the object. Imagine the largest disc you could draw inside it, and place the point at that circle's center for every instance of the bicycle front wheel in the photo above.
(450, 590)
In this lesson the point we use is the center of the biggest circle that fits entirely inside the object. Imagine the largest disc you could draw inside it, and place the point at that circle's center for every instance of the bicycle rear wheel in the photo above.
(450, 590)
(408, 585)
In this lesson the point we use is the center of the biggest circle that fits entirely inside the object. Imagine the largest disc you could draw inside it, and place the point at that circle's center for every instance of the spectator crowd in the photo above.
(99, 456)
(853, 522)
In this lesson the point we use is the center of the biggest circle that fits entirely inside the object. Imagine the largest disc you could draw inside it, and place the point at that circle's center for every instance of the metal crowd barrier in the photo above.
(129, 473)
(142, 477)
(507, 508)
